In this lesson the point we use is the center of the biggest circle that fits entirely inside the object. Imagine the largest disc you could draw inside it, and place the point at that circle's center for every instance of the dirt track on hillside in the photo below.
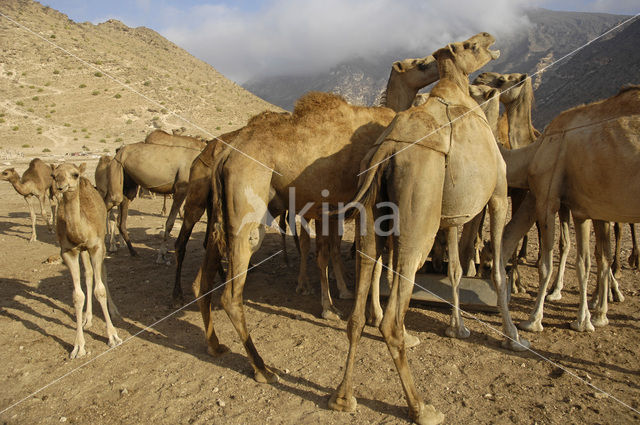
(165, 376)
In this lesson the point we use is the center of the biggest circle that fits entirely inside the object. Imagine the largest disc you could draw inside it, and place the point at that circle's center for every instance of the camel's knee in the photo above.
(100, 291)
(78, 298)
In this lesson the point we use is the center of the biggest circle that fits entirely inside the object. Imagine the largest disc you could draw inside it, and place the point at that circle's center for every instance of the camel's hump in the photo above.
(316, 102)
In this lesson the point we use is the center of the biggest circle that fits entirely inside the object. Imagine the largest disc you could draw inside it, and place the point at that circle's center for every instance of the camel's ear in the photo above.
(492, 93)
(450, 48)
(398, 66)
(523, 77)
(82, 167)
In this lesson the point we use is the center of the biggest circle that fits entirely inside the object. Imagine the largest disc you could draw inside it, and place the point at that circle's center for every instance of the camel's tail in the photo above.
(370, 180)
(115, 182)
(218, 202)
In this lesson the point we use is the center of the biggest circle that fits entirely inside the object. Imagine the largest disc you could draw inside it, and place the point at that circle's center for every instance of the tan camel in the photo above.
(81, 230)
(407, 77)
(440, 165)
(160, 167)
(635, 252)
(102, 185)
(36, 182)
(584, 160)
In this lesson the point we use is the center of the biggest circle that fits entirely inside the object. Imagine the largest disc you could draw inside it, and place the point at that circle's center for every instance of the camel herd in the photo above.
(409, 173)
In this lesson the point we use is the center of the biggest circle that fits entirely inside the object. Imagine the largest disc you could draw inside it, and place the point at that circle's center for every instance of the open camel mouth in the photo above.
(495, 54)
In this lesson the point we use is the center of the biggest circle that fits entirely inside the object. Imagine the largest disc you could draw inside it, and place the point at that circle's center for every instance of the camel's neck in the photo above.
(399, 96)
(520, 128)
(22, 188)
(518, 161)
(449, 71)
(70, 210)
(491, 109)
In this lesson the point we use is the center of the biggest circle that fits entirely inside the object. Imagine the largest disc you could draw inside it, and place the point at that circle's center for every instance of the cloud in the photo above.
(291, 37)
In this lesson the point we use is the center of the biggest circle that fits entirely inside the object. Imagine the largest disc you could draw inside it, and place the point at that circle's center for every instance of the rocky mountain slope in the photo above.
(54, 102)
(550, 36)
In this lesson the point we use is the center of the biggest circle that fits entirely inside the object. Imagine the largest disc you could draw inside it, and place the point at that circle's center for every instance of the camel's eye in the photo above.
(75, 175)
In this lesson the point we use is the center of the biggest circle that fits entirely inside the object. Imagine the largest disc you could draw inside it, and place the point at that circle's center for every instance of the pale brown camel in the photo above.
(36, 182)
(439, 165)
(160, 168)
(101, 177)
(81, 230)
(585, 160)
(635, 252)
(405, 79)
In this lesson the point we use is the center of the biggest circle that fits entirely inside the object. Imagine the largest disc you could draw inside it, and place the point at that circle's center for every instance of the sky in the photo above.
(244, 39)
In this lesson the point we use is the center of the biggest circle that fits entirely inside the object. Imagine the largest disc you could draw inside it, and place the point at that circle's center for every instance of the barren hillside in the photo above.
(54, 102)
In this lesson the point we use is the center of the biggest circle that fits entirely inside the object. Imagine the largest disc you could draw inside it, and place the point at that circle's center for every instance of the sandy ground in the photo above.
(164, 375)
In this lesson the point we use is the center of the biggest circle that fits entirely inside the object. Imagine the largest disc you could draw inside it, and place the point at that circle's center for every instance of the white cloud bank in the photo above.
(289, 36)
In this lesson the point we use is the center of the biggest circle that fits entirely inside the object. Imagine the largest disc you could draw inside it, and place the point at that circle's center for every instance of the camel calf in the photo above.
(81, 227)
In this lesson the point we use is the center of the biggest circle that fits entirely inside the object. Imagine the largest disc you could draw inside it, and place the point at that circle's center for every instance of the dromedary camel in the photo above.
(161, 168)
(81, 229)
(585, 159)
(635, 252)
(405, 79)
(440, 165)
(102, 185)
(36, 182)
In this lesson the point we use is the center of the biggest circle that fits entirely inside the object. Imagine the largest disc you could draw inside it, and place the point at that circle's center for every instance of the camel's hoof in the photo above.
(633, 260)
(177, 301)
(374, 321)
(266, 376)
(346, 295)
(78, 351)
(410, 341)
(457, 332)
(303, 289)
(531, 326)
(87, 322)
(217, 351)
(600, 320)
(427, 415)
(342, 404)
(520, 345)
(331, 314)
(582, 326)
(617, 296)
(32, 239)
(554, 296)
(114, 341)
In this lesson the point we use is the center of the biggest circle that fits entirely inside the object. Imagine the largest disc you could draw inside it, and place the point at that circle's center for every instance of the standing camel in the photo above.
(36, 182)
(81, 229)
(585, 160)
(439, 165)
(635, 252)
(160, 168)
(406, 78)
(102, 185)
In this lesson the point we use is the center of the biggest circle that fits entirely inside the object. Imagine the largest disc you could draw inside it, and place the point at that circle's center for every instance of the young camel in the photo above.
(444, 181)
(36, 182)
(81, 229)
(584, 160)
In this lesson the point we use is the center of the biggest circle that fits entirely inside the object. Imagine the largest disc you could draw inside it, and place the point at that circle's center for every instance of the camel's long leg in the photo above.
(202, 286)
(179, 194)
(33, 219)
(343, 399)
(111, 231)
(97, 257)
(497, 217)
(282, 223)
(634, 262)
(335, 240)
(583, 264)
(322, 257)
(71, 260)
(616, 266)
(546, 218)
(44, 215)
(470, 233)
(456, 327)
(304, 287)
(603, 241)
(375, 309)
(122, 225)
(191, 217)
(88, 276)
(564, 246)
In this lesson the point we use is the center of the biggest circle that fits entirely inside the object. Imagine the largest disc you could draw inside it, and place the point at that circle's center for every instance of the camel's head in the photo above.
(510, 85)
(8, 174)
(470, 55)
(67, 177)
(481, 93)
(416, 73)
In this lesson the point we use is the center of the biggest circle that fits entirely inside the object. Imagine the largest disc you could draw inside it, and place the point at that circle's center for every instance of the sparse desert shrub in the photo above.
(118, 140)
(75, 138)
(103, 141)
(47, 84)
(218, 128)
(9, 73)
(170, 88)
(1, 120)
(26, 145)
(52, 36)
(47, 116)
(82, 86)
(15, 128)
(129, 121)
(163, 111)
(36, 98)
(86, 136)
(52, 111)
(218, 109)
(98, 62)
(56, 72)
(127, 81)
(40, 90)
(117, 95)
(30, 110)
(32, 87)
(84, 130)
(155, 118)
(95, 93)
(67, 124)
(147, 83)
(46, 150)
(98, 74)
(39, 129)
(20, 103)
(84, 147)
(105, 150)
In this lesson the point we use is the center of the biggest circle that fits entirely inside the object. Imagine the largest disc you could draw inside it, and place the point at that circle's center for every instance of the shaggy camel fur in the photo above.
(160, 167)
(36, 182)
(101, 177)
(584, 161)
(81, 229)
(444, 181)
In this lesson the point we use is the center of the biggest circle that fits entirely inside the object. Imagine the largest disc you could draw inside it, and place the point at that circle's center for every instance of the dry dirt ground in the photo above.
(164, 375)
